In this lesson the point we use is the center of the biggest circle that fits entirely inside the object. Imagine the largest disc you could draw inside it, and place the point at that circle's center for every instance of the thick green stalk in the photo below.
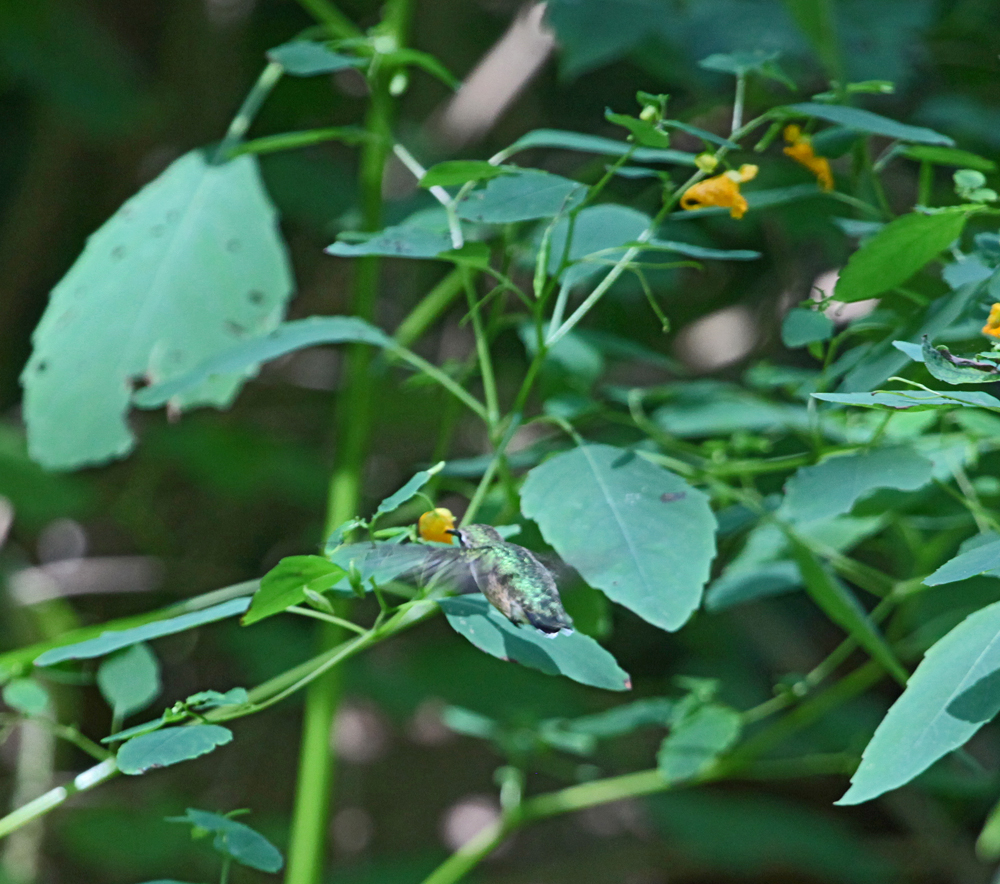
(310, 822)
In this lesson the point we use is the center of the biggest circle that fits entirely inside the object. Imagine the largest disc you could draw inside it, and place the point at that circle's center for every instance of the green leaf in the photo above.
(287, 338)
(203, 700)
(912, 400)
(394, 501)
(832, 487)
(949, 156)
(400, 241)
(644, 132)
(802, 326)
(134, 309)
(521, 196)
(26, 695)
(596, 229)
(458, 172)
(840, 605)
(922, 726)
(739, 64)
(234, 839)
(693, 251)
(952, 369)
(866, 121)
(305, 58)
(895, 253)
(967, 564)
(575, 655)
(285, 585)
(107, 642)
(129, 680)
(563, 140)
(634, 530)
(696, 741)
(170, 745)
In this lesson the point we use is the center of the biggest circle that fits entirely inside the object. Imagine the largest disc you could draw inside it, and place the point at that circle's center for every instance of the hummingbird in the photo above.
(516, 583)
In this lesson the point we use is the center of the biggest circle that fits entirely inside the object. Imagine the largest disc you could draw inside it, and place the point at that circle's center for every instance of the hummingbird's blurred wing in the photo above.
(409, 562)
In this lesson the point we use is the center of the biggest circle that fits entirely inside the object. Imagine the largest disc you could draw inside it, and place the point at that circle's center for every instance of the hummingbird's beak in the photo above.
(456, 532)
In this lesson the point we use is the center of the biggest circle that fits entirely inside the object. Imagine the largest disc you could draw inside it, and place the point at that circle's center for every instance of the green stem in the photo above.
(338, 24)
(483, 352)
(267, 80)
(355, 409)
(90, 778)
(293, 140)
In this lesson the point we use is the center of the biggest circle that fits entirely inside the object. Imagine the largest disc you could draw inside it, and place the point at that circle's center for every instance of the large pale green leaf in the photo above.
(576, 656)
(170, 745)
(832, 487)
(115, 640)
(896, 252)
(186, 268)
(936, 712)
(235, 840)
(130, 679)
(632, 529)
(967, 564)
(288, 337)
(520, 196)
(866, 121)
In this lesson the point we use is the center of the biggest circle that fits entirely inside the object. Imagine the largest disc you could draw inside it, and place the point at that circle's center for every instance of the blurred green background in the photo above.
(96, 99)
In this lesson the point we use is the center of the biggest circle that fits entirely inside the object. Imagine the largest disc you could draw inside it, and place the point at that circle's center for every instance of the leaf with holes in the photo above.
(632, 529)
(189, 266)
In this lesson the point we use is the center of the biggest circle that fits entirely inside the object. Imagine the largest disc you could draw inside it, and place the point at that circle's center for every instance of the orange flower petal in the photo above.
(992, 326)
(435, 524)
(721, 190)
(800, 149)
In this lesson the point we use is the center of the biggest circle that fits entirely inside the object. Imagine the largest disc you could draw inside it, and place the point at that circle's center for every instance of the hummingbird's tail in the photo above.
(550, 624)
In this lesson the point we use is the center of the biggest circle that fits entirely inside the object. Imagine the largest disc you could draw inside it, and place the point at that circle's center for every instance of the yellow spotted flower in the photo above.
(800, 149)
(992, 327)
(435, 524)
(720, 190)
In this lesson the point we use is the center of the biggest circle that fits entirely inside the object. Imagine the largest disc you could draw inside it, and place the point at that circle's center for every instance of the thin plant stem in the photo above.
(327, 618)
(482, 352)
(54, 798)
(355, 409)
(267, 80)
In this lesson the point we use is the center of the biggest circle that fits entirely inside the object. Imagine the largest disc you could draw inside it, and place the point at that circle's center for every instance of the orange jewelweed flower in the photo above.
(435, 524)
(992, 327)
(800, 149)
(721, 190)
